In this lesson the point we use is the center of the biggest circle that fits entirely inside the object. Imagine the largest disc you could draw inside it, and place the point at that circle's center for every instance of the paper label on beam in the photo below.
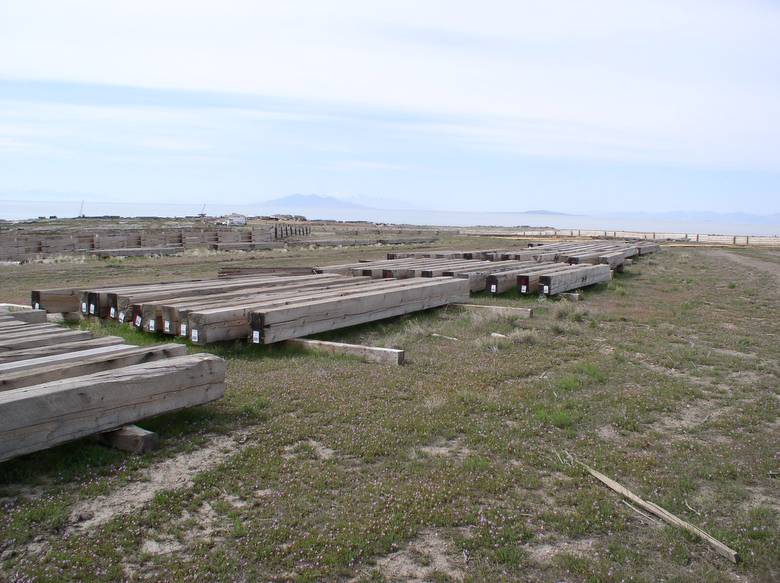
(194, 335)
(256, 336)
(83, 307)
(112, 312)
(183, 330)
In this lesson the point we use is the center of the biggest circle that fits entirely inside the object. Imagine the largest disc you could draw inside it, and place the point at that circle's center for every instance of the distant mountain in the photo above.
(311, 201)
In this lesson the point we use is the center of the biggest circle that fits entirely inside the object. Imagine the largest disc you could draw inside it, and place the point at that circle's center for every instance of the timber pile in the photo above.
(20, 244)
(57, 385)
(222, 309)
(494, 276)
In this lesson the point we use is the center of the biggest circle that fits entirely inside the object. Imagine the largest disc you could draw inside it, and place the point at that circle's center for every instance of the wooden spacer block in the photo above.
(131, 438)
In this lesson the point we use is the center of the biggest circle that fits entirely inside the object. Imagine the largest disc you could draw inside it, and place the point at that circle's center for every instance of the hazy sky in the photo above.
(462, 105)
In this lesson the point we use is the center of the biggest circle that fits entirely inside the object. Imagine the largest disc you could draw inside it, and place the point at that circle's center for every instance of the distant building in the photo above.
(235, 219)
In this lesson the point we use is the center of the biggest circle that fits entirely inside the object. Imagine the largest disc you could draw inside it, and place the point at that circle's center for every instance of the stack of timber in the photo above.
(473, 254)
(22, 243)
(474, 270)
(370, 303)
(495, 276)
(218, 310)
(57, 385)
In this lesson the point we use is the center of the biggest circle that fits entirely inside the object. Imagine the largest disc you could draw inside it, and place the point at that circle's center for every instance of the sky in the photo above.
(493, 106)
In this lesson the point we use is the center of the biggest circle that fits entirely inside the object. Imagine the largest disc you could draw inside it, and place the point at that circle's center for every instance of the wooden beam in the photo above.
(43, 339)
(83, 364)
(367, 353)
(42, 416)
(54, 349)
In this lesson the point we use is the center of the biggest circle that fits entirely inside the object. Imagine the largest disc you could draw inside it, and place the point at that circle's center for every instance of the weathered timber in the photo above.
(43, 339)
(297, 320)
(55, 349)
(552, 284)
(56, 300)
(87, 364)
(42, 416)
(233, 322)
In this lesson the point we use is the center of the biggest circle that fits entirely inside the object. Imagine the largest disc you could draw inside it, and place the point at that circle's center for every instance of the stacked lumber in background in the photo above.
(22, 244)
(439, 254)
(218, 310)
(57, 385)
(494, 276)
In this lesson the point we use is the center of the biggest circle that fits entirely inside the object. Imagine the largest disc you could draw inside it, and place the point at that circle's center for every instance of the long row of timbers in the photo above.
(59, 384)
(267, 307)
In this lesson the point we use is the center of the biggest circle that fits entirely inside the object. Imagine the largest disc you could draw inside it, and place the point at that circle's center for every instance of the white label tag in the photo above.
(183, 330)
(167, 326)
(92, 309)
(121, 317)
(151, 325)
(546, 289)
(194, 335)
(493, 288)
(138, 320)
(83, 307)
(112, 312)
(522, 289)
(37, 306)
(256, 336)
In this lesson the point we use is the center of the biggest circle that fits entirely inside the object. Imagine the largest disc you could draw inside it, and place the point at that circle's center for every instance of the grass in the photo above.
(466, 440)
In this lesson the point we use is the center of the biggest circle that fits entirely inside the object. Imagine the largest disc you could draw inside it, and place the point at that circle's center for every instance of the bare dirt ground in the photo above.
(452, 467)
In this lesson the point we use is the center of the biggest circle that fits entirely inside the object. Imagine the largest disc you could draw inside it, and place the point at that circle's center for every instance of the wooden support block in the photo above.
(131, 438)
(502, 310)
(571, 296)
(367, 353)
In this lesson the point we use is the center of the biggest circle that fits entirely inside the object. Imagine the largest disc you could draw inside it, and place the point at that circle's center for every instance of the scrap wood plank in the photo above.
(367, 353)
(87, 364)
(502, 310)
(42, 416)
(664, 514)
(55, 349)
